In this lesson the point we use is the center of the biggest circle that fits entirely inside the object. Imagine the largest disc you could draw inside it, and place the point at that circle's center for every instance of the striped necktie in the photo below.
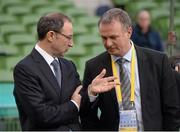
(125, 84)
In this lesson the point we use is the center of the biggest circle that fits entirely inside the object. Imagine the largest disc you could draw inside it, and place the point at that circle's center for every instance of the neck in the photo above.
(45, 46)
(125, 50)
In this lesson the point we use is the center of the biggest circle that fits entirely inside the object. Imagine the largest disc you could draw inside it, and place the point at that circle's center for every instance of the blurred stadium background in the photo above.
(18, 20)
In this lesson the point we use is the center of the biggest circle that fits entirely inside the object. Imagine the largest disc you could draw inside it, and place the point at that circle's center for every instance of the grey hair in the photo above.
(118, 15)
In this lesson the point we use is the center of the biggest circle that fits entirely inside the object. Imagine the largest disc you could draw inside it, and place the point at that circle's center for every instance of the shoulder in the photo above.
(149, 51)
(69, 64)
(149, 54)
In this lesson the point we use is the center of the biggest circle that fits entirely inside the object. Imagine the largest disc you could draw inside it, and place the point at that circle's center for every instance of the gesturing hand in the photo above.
(102, 84)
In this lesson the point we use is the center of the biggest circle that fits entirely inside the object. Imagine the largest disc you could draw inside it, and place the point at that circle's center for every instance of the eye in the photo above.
(103, 38)
(113, 37)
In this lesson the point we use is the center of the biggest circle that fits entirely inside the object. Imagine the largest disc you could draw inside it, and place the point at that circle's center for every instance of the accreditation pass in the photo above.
(128, 120)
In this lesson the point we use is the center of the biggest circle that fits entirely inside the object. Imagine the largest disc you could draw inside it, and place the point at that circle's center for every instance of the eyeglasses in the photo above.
(69, 37)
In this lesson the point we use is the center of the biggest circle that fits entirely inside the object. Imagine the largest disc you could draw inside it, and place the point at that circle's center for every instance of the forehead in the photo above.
(110, 28)
(67, 26)
(143, 14)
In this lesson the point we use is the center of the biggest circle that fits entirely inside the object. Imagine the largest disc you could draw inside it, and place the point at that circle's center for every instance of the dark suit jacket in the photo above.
(177, 76)
(159, 99)
(41, 103)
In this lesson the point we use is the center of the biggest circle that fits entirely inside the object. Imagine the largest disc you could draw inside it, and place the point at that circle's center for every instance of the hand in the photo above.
(100, 84)
(76, 96)
(177, 67)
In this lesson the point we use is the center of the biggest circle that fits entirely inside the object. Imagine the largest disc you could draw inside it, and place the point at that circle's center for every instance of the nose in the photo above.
(108, 42)
(71, 43)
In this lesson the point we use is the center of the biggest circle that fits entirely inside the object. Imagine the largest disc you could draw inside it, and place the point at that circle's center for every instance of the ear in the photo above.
(129, 32)
(50, 36)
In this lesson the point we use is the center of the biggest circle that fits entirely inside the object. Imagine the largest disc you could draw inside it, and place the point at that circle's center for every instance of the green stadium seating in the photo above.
(120, 2)
(98, 49)
(27, 49)
(8, 3)
(18, 10)
(34, 4)
(7, 19)
(62, 5)
(11, 62)
(79, 29)
(75, 12)
(18, 36)
(8, 29)
(6, 76)
(75, 53)
(46, 9)
(20, 39)
(8, 110)
(89, 22)
(29, 20)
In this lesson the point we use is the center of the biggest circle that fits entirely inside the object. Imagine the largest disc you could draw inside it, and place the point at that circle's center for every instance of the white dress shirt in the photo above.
(49, 59)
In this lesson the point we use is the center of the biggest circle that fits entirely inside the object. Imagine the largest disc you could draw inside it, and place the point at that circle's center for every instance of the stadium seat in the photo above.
(34, 4)
(28, 48)
(46, 9)
(6, 50)
(62, 5)
(4, 4)
(29, 20)
(75, 53)
(11, 62)
(7, 76)
(7, 19)
(8, 29)
(79, 30)
(75, 12)
(18, 10)
(89, 22)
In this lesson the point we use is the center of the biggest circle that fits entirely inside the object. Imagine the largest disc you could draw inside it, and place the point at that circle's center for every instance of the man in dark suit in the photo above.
(46, 85)
(156, 100)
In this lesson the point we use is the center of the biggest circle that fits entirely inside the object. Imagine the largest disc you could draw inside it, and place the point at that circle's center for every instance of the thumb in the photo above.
(78, 89)
(102, 74)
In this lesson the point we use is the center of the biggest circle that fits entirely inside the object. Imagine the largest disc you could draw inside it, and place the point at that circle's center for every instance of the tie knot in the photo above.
(55, 64)
(121, 61)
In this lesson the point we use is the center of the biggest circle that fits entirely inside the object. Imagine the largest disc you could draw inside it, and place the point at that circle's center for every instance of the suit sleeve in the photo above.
(30, 96)
(88, 111)
(169, 98)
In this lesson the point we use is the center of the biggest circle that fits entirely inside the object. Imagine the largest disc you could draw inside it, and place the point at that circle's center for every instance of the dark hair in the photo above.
(51, 22)
(118, 15)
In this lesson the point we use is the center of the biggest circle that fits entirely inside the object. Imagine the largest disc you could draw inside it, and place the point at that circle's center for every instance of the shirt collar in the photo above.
(49, 59)
(127, 56)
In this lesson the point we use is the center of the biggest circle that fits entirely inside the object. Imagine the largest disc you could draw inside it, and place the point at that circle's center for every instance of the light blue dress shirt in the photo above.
(137, 100)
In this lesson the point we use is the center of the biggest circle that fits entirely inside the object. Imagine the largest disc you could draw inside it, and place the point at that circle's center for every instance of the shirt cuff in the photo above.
(75, 104)
(92, 98)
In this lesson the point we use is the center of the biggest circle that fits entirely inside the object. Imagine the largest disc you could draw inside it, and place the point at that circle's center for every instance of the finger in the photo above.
(109, 79)
(102, 74)
(107, 88)
(177, 68)
(78, 89)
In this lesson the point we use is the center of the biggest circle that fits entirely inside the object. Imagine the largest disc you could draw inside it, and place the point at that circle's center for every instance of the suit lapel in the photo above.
(142, 67)
(64, 77)
(46, 70)
(108, 67)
